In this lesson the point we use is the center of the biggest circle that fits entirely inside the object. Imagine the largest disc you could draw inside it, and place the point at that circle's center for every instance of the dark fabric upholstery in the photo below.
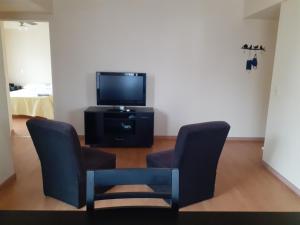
(196, 155)
(94, 159)
(162, 159)
(63, 161)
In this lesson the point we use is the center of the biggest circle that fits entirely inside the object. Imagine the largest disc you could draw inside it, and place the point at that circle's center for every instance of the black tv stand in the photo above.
(112, 127)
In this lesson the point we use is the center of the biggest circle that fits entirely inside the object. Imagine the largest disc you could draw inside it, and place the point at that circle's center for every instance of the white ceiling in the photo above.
(40, 6)
(271, 13)
(25, 5)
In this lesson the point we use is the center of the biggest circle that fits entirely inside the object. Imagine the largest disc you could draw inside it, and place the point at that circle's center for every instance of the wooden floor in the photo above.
(243, 184)
(19, 126)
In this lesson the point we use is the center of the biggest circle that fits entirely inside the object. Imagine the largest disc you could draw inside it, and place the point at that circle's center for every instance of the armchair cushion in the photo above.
(95, 159)
(162, 159)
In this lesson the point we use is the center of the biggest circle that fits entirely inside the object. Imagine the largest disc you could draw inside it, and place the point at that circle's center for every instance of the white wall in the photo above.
(190, 50)
(254, 6)
(282, 143)
(6, 165)
(28, 53)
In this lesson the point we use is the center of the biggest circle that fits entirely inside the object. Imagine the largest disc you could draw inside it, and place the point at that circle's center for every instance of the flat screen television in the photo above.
(121, 89)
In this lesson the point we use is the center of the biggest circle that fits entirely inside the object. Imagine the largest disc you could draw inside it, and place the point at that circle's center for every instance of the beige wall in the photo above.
(5, 71)
(6, 165)
(28, 53)
(25, 6)
(255, 6)
(282, 143)
(190, 50)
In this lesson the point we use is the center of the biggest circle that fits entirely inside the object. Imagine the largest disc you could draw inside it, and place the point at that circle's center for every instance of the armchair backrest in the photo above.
(200, 145)
(197, 152)
(59, 151)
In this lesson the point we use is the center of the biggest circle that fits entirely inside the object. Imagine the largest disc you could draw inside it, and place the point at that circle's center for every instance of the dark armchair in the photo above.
(64, 162)
(196, 155)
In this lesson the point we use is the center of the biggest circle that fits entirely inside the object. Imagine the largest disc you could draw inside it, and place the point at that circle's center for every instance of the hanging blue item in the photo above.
(252, 63)
(249, 65)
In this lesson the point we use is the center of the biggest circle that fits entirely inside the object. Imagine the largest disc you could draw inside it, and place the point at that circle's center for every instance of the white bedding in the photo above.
(34, 100)
(33, 91)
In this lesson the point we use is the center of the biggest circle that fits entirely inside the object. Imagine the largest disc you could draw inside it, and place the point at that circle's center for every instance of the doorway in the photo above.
(27, 58)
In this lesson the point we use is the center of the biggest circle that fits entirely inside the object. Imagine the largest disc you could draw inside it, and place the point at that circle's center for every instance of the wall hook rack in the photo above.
(254, 47)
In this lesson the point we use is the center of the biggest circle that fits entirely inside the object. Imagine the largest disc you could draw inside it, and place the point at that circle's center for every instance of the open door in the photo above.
(28, 72)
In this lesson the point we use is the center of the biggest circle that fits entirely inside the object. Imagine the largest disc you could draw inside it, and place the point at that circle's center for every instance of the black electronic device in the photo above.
(121, 89)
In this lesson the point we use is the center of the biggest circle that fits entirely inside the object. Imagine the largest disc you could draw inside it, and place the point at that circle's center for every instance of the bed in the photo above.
(33, 100)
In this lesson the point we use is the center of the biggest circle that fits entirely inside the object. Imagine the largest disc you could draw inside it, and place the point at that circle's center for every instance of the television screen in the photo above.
(121, 89)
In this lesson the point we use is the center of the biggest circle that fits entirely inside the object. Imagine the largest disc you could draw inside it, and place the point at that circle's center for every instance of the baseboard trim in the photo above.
(276, 174)
(165, 137)
(260, 139)
(13, 134)
(8, 180)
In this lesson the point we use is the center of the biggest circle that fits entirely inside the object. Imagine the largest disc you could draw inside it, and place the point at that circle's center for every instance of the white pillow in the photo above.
(39, 88)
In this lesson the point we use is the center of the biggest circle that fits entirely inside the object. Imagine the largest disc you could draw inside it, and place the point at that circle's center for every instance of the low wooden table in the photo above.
(146, 217)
